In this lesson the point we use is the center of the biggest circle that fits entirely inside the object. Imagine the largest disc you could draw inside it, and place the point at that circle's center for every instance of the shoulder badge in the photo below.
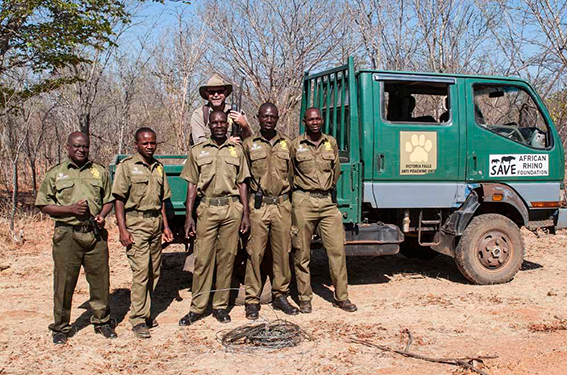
(232, 150)
(95, 172)
(160, 170)
(328, 146)
(283, 144)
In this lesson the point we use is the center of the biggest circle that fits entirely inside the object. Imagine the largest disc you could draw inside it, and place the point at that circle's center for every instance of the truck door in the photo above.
(510, 138)
(417, 141)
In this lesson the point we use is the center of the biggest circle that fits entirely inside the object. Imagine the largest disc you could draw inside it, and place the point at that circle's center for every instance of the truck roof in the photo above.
(433, 74)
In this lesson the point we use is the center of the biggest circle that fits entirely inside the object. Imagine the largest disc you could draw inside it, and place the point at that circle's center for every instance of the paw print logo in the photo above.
(418, 148)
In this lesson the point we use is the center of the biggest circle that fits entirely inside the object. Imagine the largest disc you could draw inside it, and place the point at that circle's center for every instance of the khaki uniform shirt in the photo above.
(67, 183)
(143, 186)
(269, 165)
(199, 131)
(216, 170)
(315, 167)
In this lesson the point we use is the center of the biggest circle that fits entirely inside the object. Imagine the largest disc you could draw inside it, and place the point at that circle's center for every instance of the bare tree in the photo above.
(178, 69)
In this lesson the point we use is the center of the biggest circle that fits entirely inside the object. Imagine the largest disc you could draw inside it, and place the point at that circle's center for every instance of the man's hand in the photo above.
(79, 208)
(189, 227)
(126, 238)
(167, 235)
(235, 140)
(238, 118)
(245, 223)
(100, 221)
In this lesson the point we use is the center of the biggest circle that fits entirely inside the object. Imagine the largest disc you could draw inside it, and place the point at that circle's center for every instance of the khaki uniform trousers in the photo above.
(308, 213)
(216, 244)
(269, 222)
(71, 249)
(144, 257)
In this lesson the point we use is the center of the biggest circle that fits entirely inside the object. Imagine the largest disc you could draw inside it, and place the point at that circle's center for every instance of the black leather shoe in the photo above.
(281, 303)
(252, 311)
(152, 323)
(345, 305)
(106, 330)
(59, 338)
(142, 331)
(189, 319)
(222, 315)
(305, 307)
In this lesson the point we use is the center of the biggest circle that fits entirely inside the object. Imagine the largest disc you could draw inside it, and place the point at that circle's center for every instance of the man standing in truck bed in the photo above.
(216, 171)
(270, 213)
(316, 168)
(215, 93)
(140, 188)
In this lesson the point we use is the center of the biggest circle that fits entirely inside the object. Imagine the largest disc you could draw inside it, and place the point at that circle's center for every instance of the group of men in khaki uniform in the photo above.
(251, 185)
(276, 188)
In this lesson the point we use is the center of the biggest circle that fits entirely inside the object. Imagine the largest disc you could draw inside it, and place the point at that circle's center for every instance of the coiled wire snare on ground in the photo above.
(277, 334)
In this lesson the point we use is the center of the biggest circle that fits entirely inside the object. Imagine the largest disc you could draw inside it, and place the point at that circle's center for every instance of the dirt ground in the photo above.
(523, 322)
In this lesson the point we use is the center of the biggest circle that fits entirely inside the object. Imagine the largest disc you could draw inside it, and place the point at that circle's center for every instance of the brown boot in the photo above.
(345, 305)
(281, 303)
(305, 307)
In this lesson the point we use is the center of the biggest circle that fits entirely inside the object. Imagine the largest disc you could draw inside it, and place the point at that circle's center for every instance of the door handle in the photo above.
(380, 162)
(474, 164)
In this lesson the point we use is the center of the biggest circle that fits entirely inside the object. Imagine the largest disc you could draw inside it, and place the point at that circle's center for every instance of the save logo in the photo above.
(519, 165)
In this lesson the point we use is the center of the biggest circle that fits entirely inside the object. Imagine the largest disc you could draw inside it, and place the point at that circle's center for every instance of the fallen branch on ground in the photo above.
(465, 362)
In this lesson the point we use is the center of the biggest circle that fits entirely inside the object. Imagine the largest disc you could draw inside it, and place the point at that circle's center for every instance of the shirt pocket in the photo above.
(231, 167)
(139, 188)
(258, 161)
(327, 161)
(97, 190)
(282, 162)
(305, 163)
(64, 190)
(206, 168)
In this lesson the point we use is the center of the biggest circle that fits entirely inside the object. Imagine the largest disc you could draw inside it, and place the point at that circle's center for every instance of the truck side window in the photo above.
(416, 102)
(510, 112)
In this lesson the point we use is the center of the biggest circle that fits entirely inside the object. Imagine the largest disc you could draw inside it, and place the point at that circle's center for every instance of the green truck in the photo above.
(437, 163)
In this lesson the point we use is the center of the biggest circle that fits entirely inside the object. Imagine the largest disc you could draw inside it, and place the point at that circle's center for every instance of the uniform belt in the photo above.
(219, 201)
(146, 214)
(77, 228)
(275, 200)
(317, 193)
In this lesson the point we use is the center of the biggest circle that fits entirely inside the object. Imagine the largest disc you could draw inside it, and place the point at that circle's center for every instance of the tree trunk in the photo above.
(34, 178)
(85, 123)
(14, 196)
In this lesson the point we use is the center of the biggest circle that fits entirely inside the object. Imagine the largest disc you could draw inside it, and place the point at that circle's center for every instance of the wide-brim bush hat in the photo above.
(215, 81)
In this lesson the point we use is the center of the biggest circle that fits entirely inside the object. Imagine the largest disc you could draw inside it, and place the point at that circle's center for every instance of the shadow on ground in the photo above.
(172, 280)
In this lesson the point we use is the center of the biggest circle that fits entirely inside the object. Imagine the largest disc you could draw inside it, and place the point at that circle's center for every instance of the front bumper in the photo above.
(561, 218)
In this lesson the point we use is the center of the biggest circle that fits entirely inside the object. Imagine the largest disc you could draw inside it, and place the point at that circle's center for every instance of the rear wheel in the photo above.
(491, 250)
(411, 248)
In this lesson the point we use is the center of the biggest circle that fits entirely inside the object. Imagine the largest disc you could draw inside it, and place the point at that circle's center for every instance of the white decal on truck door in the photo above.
(519, 165)
(418, 152)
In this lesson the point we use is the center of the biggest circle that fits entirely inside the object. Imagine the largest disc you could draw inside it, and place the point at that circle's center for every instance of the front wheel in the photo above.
(491, 250)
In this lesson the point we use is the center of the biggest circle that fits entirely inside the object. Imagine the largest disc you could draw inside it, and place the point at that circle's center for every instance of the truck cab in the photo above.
(440, 163)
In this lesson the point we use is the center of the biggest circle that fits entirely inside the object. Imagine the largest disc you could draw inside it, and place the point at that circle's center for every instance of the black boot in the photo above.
(281, 303)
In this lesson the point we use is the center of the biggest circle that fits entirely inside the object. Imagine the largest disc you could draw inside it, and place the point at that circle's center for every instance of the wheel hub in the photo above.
(494, 250)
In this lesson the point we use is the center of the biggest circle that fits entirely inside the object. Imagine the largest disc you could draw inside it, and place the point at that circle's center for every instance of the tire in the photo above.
(410, 248)
(491, 250)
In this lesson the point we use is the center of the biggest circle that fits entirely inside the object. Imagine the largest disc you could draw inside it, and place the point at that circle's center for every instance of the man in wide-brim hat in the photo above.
(215, 92)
